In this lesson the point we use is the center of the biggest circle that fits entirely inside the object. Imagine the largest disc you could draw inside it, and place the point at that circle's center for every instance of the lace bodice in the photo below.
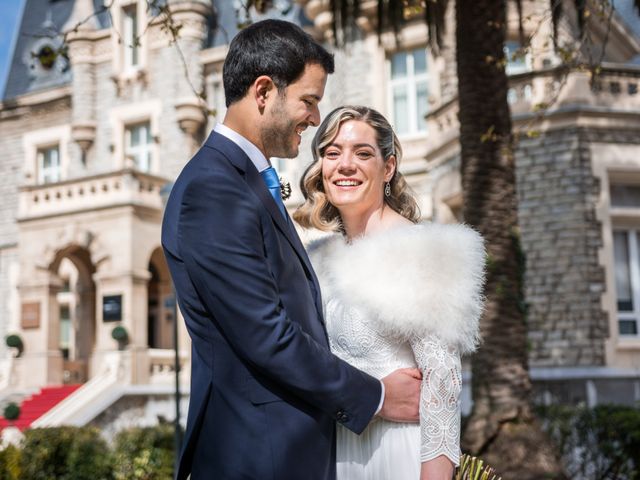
(355, 338)
(405, 297)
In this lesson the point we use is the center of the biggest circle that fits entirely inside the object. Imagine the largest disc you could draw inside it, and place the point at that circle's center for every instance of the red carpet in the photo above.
(37, 405)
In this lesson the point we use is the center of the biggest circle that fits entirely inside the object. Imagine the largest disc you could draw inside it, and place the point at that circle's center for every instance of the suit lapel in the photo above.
(255, 181)
(312, 274)
(242, 162)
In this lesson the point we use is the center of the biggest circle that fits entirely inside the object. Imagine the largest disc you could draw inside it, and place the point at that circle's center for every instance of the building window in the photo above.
(518, 61)
(130, 36)
(49, 165)
(409, 91)
(65, 330)
(138, 143)
(627, 273)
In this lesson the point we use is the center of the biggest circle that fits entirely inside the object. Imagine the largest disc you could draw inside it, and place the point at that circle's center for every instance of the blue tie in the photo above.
(270, 177)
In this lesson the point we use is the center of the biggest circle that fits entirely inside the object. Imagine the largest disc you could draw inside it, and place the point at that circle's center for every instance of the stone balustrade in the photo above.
(614, 91)
(7, 375)
(113, 189)
(442, 127)
(162, 365)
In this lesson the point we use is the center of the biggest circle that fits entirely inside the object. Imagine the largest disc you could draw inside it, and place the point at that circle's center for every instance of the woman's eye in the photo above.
(331, 154)
(364, 155)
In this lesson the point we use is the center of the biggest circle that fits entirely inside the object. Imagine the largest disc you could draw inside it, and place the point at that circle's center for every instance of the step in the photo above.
(39, 404)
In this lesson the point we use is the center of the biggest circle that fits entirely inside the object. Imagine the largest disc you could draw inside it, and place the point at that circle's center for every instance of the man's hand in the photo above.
(402, 396)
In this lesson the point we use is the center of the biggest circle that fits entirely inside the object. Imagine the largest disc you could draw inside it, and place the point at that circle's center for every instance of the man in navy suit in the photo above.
(265, 389)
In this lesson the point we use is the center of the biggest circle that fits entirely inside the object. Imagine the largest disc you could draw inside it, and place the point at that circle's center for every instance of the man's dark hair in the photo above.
(275, 48)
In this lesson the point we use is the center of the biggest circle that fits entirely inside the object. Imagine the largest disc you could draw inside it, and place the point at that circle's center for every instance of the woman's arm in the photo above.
(439, 468)
(439, 406)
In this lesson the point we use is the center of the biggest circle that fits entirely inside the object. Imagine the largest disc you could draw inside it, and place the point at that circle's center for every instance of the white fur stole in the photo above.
(422, 279)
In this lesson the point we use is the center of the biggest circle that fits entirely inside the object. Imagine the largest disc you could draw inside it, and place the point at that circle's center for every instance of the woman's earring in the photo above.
(387, 189)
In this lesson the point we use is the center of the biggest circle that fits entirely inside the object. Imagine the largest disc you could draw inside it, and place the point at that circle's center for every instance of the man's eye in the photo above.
(307, 103)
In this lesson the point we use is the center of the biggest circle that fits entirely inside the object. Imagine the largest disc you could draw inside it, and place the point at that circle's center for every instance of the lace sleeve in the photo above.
(439, 399)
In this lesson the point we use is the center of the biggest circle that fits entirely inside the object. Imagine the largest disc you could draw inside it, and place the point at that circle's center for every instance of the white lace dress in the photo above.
(368, 333)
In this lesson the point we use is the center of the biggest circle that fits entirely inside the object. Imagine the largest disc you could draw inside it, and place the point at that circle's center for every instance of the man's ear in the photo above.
(262, 88)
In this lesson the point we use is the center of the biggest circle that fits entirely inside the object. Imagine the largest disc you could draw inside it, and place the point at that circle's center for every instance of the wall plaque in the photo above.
(112, 308)
(30, 315)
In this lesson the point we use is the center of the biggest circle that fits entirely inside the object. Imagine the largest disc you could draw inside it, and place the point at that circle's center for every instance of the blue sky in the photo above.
(9, 13)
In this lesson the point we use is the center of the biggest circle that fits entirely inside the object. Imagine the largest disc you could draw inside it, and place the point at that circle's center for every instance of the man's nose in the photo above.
(314, 117)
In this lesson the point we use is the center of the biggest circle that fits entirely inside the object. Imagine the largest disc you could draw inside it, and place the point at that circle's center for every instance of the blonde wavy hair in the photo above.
(316, 211)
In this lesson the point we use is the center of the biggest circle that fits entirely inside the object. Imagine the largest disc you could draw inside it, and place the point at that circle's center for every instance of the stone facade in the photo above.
(561, 237)
(570, 323)
(104, 214)
(139, 409)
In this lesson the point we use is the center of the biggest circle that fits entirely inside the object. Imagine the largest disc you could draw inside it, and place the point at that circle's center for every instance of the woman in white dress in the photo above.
(396, 294)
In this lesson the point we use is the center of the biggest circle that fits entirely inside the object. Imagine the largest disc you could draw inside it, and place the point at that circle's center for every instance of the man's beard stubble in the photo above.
(276, 136)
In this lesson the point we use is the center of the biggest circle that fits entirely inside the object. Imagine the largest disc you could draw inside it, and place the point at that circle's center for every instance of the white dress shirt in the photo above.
(253, 152)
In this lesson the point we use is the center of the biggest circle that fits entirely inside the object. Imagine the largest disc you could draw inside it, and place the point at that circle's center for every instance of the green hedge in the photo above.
(602, 443)
(10, 463)
(64, 453)
(144, 454)
(80, 453)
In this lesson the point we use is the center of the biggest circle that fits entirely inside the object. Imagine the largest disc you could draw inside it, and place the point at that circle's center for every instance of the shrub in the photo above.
(144, 453)
(64, 453)
(10, 463)
(602, 443)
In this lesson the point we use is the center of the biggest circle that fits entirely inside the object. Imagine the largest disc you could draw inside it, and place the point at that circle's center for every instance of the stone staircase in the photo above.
(37, 405)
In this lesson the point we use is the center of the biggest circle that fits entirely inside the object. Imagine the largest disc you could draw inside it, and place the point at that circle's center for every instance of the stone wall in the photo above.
(8, 293)
(561, 236)
(145, 410)
(14, 123)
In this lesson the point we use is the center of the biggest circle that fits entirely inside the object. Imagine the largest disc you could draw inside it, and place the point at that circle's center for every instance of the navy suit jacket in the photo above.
(265, 389)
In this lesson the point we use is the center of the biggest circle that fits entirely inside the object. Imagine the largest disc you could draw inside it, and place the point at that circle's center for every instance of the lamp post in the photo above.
(164, 194)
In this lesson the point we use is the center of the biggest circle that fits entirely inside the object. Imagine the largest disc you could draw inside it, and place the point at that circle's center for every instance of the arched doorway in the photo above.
(160, 303)
(76, 303)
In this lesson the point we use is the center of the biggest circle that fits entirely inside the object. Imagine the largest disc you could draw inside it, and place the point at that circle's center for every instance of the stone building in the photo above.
(90, 137)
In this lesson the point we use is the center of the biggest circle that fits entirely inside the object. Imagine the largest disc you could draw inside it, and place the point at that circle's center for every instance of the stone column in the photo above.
(190, 108)
(80, 41)
(132, 287)
(41, 362)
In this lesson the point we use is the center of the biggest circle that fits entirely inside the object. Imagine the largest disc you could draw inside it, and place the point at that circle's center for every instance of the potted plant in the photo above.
(14, 341)
(11, 412)
(120, 335)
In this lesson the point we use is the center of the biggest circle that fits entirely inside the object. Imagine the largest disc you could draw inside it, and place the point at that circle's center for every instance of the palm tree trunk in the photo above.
(501, 428)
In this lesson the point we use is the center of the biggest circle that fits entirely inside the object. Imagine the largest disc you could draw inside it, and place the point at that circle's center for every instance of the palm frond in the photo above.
(520, 25)
(343, 17)
(434, 16)
(334, 20)
(581, 6)
(381, 15)
(556, 14)
(391, 15)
